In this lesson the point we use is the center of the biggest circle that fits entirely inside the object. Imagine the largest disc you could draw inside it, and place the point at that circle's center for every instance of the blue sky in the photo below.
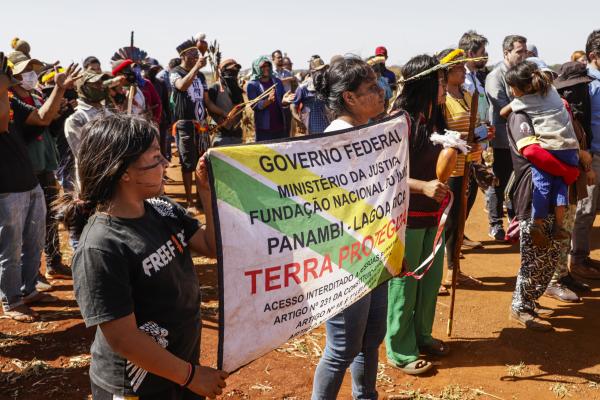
(68, 30)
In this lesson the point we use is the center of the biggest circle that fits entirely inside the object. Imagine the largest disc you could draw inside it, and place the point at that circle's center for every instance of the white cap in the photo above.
(200, 36)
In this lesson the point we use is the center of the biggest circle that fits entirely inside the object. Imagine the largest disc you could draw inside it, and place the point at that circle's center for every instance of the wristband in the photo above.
(191, 375)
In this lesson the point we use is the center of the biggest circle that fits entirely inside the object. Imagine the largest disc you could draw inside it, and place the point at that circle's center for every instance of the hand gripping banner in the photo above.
(305, 227)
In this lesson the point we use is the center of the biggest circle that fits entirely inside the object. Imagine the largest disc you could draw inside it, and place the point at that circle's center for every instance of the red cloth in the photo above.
(120, 66)
(153, 103)
(545, 161)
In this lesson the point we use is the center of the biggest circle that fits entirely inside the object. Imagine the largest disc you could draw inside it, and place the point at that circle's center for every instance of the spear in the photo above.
(462, 215)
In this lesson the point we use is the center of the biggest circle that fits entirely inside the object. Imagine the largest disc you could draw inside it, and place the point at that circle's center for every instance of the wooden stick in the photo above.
(462, 215)
(130, 97)
(238, 109)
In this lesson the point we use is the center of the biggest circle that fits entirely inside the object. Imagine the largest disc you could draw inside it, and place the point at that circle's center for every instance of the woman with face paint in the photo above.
(134, 278)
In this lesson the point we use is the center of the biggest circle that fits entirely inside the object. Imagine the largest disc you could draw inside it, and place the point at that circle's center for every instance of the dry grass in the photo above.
(306, 346)
(450, 392)
(80, 361)
(26, 369)
(560, 390)
(516, 370)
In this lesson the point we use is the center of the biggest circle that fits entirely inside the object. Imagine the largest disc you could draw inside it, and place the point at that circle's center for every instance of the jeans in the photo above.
(353, 339)
(495, 195)
(22, 233)
(584, 218)
(549, 190)
(455, 184)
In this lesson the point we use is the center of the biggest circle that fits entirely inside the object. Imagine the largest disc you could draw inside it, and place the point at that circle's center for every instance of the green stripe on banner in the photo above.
(246, 193)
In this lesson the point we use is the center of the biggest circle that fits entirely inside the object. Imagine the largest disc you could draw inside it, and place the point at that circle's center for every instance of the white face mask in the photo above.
(29, 80)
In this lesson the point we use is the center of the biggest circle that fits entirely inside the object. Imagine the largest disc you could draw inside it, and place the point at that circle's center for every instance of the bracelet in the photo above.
(188, 379)
(191, 376)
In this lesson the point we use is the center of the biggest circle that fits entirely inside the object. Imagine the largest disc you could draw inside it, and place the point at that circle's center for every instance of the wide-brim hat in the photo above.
(570, 74)
(316, 64)
(20, 63)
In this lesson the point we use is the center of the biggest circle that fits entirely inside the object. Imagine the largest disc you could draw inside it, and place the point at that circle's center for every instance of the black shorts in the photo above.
(191, 144)
(174, 393)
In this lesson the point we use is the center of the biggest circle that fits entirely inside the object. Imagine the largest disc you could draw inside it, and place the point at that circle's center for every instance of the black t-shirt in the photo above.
(141, 266)
(519, 127)
(16, 170)
(188, 104)
(423, 212)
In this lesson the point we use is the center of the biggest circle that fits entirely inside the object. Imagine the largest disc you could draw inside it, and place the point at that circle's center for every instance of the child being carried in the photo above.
(553, 131)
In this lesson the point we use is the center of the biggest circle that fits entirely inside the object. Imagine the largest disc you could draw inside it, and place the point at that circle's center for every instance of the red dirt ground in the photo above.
(491, 358)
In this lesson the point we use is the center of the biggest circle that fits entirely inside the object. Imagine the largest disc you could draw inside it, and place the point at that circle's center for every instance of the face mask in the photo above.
(93, 94)
(29, 80)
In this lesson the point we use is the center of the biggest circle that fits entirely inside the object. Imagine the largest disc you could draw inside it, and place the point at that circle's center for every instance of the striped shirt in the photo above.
(458, 114)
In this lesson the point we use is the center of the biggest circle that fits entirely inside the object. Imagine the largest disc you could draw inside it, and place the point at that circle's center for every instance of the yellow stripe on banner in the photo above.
(359, 208)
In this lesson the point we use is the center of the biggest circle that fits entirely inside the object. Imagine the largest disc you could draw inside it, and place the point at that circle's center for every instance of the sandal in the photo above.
(37, 297)
(22, 313)
(442, 291)
(436, 348)
(414, 368)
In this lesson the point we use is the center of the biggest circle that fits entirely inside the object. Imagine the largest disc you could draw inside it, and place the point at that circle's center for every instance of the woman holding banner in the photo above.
(133, 273)
(411, 302)
(350, 90)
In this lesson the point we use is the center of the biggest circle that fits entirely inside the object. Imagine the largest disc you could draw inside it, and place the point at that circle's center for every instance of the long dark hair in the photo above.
(345, 75)
(528, 78)
(419, 97)
(110, 144)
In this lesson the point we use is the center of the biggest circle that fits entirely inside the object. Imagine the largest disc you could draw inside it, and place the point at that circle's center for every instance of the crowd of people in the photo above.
(89, 149)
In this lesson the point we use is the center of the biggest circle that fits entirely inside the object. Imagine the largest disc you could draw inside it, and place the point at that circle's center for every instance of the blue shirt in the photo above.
(595, 103)
(314, 107)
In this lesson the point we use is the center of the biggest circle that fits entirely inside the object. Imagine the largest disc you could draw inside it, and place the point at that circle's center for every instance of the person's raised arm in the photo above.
(203, 241)
(124, 338)
(44, 115)
(182, 84)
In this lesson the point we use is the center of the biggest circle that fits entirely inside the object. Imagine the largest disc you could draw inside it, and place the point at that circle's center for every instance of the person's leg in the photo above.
(502, 168)
(562, 267)
(364, 366)
(537, 266)
(455, 184)
(345, 332)
(100, 394)
(34, 233)
(584, 219)
(188, 156)
(13, 212)
(427, 290)
(400, 340)
(472, 191)
(52, 242)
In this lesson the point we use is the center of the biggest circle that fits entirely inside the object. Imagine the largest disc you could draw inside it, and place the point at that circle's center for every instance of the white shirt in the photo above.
(338, 125)
(471, 82)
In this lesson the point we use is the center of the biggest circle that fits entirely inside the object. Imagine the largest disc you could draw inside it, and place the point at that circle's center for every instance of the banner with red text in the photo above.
(305, 227)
